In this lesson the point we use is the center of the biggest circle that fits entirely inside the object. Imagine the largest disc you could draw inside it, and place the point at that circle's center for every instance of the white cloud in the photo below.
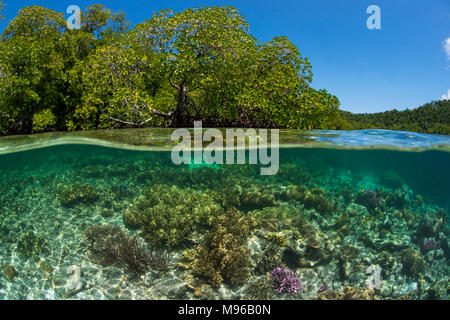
(446, 97)
(446, 45)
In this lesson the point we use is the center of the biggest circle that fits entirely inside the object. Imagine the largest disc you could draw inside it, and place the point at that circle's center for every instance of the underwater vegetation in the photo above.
(97, 223)
(109, 245)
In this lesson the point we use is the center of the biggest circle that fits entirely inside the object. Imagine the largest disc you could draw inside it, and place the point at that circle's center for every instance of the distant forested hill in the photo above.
(433, 117)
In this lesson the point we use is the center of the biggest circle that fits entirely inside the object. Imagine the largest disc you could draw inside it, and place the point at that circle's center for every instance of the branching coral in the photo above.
(111, 245)
(286, 281)
(167, 215)
(222, 254)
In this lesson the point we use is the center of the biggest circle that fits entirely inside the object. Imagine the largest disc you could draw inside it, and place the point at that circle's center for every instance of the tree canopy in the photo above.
(433, 117)
(170, 70)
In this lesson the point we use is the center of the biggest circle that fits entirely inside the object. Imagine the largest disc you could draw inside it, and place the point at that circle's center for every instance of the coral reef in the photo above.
(76, 194)
(222, 254)
(316, 198)
(256, 196)
(285, 281)
(431, 224)
(277, 239)
(109, 245)
(349, 293)
(429, 245)
(368, 198)
(168, 215)
(413, 262)
(31, 246)
(293, 173)
(131, 225)
(277, 213)
(9, 272)
(269, 258)
(261, 289)
(308, 247)
(398, 198)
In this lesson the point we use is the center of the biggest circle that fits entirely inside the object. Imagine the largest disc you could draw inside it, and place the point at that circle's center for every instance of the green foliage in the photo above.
(199, 64)
(104, 23)
(43, 120)
(31, 67)
(118, 83)
(222, 255)
(168, 215)
(433, 117)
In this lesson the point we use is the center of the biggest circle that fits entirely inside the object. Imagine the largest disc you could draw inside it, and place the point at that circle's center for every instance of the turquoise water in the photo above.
(110, 217)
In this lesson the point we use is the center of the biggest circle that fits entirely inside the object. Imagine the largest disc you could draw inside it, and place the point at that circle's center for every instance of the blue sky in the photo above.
(403, 65)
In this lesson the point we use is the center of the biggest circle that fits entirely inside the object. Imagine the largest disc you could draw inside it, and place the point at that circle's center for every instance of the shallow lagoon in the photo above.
(342, 204)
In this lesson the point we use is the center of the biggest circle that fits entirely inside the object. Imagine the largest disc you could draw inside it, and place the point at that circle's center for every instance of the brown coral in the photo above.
(316, 198)
(222, 254)
(349, 293)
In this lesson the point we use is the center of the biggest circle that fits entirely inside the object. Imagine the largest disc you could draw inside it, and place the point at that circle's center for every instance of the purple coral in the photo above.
(429, 245)
(286, 281)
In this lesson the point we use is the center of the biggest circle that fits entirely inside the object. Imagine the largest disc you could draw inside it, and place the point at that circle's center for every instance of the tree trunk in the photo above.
(181, 105)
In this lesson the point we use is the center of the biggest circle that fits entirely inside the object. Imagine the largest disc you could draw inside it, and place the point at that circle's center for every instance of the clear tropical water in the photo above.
(106, 215)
